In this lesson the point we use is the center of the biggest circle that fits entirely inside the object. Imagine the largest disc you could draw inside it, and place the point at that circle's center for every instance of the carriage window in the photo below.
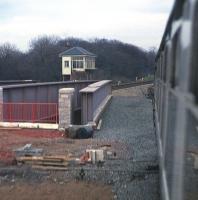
(162, 66)
(170, 138)
(191, 157)
(165, 64)
(194, 67)
(173, 59)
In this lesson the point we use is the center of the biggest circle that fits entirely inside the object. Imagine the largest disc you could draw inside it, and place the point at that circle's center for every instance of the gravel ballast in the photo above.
(128, 121)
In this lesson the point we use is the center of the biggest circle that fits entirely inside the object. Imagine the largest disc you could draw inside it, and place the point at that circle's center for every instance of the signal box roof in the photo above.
(76, 51)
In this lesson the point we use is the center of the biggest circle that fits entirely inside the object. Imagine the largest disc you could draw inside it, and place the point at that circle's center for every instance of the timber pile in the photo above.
(45, 161)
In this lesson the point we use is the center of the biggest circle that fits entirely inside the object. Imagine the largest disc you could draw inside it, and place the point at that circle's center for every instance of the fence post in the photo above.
(65, 107)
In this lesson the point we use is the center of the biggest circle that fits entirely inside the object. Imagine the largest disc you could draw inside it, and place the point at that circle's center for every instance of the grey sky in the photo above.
(139, 22)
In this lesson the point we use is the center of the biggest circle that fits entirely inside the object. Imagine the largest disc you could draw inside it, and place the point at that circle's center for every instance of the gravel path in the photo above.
(132, 91)
(128, 121)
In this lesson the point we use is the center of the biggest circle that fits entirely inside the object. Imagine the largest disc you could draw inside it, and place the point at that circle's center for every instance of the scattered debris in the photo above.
(105, 145)
(79, 131)
(84, 158)
(111, 155)
(82, 173)
(152, 168)
(93, 156)
(27, 150)
(137, 176)
(99, 125)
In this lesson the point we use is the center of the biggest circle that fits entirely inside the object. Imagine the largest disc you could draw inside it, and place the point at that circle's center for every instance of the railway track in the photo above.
(131, 84)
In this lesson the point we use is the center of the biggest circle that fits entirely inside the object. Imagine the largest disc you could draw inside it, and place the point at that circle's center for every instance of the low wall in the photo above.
(69, 96)
(94, 99)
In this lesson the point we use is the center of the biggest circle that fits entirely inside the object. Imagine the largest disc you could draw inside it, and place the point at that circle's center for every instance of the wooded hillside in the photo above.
(115, 60)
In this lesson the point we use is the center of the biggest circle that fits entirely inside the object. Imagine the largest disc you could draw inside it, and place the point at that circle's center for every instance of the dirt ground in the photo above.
(53, 143)
(52, 191)
(15, 138)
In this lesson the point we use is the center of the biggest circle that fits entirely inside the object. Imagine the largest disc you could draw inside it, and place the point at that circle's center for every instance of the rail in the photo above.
(29, 112)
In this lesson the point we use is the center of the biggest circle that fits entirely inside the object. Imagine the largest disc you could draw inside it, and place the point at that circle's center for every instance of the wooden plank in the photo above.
(46, 163)
(49, 168)
(43, 158)
(56, 157)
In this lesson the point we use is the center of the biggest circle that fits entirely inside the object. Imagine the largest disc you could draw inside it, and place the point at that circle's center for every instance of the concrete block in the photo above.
(28, 125)
(9, 124)
(96, 155)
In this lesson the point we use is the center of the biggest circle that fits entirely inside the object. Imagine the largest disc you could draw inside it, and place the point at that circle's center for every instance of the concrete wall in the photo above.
(70, 97)
(40, 93)
(94, 99)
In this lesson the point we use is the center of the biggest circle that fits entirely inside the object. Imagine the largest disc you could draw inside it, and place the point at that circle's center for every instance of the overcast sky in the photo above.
(141, 22)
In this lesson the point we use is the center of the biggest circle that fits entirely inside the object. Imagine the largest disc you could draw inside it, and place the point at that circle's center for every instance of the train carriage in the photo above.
(176, 103)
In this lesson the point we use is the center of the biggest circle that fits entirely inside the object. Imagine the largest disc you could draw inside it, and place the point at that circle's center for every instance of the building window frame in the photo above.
(66, 63)
(77, 62)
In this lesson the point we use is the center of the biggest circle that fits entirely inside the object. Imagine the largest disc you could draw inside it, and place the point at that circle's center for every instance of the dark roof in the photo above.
(76, 51)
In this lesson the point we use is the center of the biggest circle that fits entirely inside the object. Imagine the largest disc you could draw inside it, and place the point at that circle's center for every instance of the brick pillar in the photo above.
(1, 105)
(65, 107)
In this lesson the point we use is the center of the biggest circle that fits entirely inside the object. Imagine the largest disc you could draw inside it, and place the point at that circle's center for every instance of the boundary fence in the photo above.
(29, 112)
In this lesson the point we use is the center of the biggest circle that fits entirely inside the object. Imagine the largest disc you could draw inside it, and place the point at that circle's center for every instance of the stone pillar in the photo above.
(65, 107)
(1, 104)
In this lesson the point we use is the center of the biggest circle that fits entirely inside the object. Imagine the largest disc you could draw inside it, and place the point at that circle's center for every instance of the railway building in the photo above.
(77, 64)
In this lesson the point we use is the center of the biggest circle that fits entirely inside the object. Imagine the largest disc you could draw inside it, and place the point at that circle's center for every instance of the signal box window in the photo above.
(67, 63)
